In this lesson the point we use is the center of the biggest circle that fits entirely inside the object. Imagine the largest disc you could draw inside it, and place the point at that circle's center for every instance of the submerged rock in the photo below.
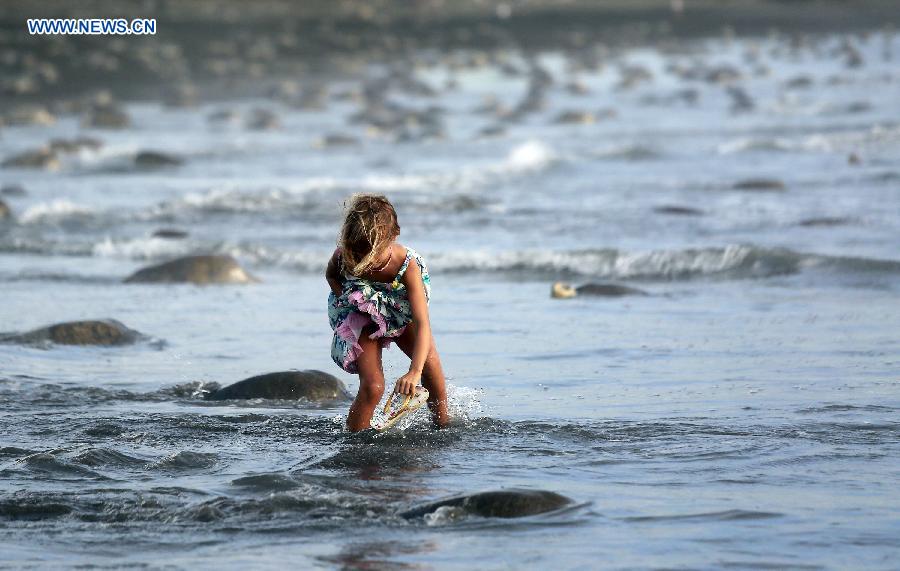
(741, 102)
(5, 212)
(181, 95)
(676, 210)
(492, 131)
(13, 190)
(30, 115)
(311, 385)
(74, 145)
(510, 503)
(561, 290)
(155, 159)
(170, 234)
(760, 184)
(108, 116)
(262, 120)
(199, 270)
(94, 332)
(575, 118)
(577, 87)
(825, 221)
(41, 158)
(336, 140)
(224, 116)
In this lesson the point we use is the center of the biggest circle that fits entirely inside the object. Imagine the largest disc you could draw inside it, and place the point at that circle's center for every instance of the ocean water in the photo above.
(743, 415)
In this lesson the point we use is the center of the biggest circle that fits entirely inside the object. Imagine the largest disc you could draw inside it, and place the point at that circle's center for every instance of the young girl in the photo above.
(379, 293)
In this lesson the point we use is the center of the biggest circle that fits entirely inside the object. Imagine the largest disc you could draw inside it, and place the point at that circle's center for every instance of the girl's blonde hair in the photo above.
(370, 224)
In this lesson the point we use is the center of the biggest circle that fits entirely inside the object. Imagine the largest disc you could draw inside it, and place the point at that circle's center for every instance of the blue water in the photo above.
(743, 415)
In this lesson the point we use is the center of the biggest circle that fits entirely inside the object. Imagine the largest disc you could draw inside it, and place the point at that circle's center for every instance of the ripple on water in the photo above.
(96, 457)
(46, 466)
(186, 460)
(726, 515)
(274, 482)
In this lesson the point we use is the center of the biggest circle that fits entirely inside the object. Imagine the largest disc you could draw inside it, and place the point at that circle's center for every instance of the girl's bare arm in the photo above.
(412, 279)
(333, 273)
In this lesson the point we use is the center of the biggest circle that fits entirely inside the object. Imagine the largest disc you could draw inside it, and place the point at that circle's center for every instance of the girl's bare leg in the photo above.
(432, 376)
(371, 382)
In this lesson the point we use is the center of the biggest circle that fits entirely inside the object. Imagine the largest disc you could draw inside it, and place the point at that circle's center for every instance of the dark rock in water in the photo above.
(285, 90)
(75, 145)
(492, 131)
(509, 503)
(577, 87)
(799, 82)
(194, 269)
(311, 385)
(181, 95)
(825, 221)
(13, 190)
(723, 74)
(107, 116)
(30, 115)
(170, 234)
(856, 107)
(99, 332)
(5, 212)
(562, 290)
(337, 140)
(760, 184)
(263, 120)
(224, 116)
(154, 159)
(491, 106)
(632, 76)
(42, 158)
(608, 290)
(741, 102)
(678, 210)
(312, 98)
(461, 203)
(575, 117)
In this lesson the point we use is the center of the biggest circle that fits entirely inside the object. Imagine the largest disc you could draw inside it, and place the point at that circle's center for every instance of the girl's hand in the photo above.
(406, 385)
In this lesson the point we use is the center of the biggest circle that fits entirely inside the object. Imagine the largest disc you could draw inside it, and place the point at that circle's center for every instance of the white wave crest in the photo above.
(142, 248)
(529, 156)
(614, 264)
(876, 137)
(53, 211)
(300, 260)
(737, 261)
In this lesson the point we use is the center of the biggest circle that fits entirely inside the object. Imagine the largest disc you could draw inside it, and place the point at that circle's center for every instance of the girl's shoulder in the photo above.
(410, 256)
(410, 253)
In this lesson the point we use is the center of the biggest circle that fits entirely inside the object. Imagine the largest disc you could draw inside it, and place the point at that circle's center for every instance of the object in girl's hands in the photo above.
(393, 414)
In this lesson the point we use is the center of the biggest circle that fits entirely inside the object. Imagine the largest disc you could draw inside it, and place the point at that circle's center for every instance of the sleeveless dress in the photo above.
(363, 302)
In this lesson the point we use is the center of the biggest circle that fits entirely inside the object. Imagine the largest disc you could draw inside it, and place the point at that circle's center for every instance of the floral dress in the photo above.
(363, 302)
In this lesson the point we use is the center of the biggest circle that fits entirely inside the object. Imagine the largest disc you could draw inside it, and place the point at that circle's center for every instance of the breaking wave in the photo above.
(730, 262)
(453, 189)
(850, 140)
